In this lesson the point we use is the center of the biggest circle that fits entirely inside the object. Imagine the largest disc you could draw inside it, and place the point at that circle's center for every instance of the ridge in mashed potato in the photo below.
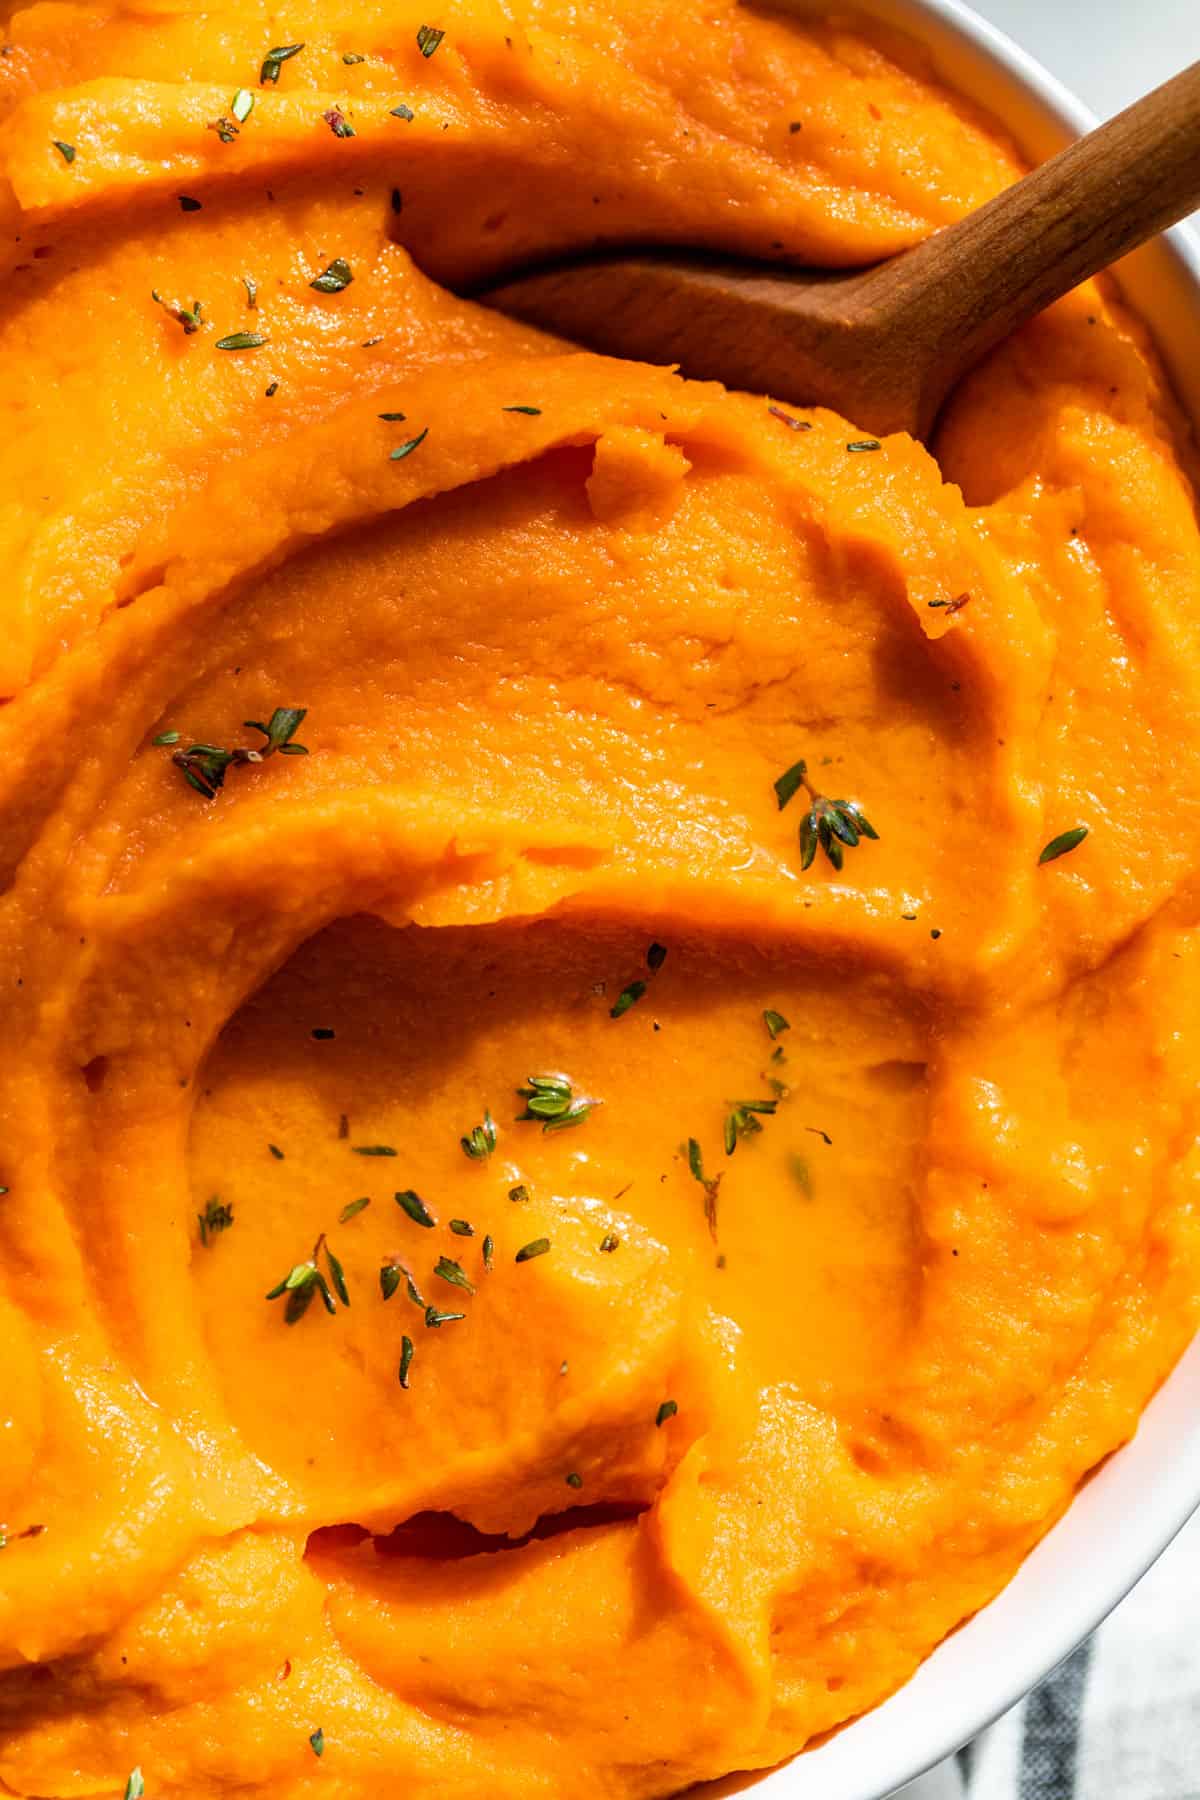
(601, 976)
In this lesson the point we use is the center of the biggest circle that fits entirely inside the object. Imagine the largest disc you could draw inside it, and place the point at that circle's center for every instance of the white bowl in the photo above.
(1131, 1508)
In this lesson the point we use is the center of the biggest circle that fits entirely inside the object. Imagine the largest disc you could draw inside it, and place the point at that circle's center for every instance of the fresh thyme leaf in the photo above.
(225, 129)
(489, 1252)
(251, 287)
(626, 998)
(374, 1150)
(216, 1217)
(574, 1481)
(242, 105)
(743, 1122)
(481, 1141)
(792, 423)
(454, 1273)
(609, 1242)
(411, 1289)
(333, 279)
(520, 1193)
(66, 151)
(666, 1411)
(403, 112)
(167, 737)
(317, 1740)
(712, 1187)
(271, 389)
(951, 606)
(406, 449)
(435, 1319)
(407, 1352)
(301, 1284)
(462, 1228)
(389, 1279)
(188, 204)
(801, 1174)
(527, 1252)
(241, 340)
(393, 418)
(1064, 842)
(428, 39)
(787, 783)
(338, 1276)
(656, 956)
(817, 1132)
(415, 1207)
(135, 1787)
(866, 444)
(189, 318)
(552, 1101)
(352, 56)
(775, 1022)
(338, 123)
(534, 412)
(274, 59)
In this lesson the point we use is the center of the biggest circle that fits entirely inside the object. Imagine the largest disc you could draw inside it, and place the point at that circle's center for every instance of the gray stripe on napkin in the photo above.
(1049, 1752)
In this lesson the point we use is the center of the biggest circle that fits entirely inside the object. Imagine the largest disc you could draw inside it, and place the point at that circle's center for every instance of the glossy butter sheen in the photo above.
(681, 1491)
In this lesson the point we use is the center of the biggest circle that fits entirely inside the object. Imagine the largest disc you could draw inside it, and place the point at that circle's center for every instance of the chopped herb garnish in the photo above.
(333, 279)
(574, 1481)
(1064, 842)
(167, 737)
(370, 343)
(609, 1242)
(520, 1193)
(435, 1319)
(552, 1100)
(801, 1173)
(251, 287)
(626, 998)
(135, 1787)
(743, 1120)
(407, 449)
(865, 444)
(817, 1132)
(951, 606)
(656, 956)
(389, 1279)
(481, 1141)
(225, 129)
(66, 151)
(403, 112)
(349, 57)
(338, 123)
(428, 39)
(206, 765)
(535, 412)
(271, 389)
(317, 1740)
(274, 59)
(789, 420)
(242, 105)
(462, 1228)
(527, 1252)
(216, 1217)
(454, 1273)
(407, 1352)
(189, 318)
(393, 418)
(279, 730)
(415, 1207)
(323, 1033)
(374, 1150)
(352, 1209)
(829, 824)
(343, 1125)
(276, 1152)
(338, 1276)
(242, 340)
(489, 1252)
(712, 1188)
(775, 1023)
(304, 1281)
(187, 204)
(666, 1411)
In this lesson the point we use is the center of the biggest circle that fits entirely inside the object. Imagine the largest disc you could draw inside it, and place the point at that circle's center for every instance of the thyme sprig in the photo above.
(711, 1186)
(552, 1100)
(306, 1280)
(481, 1141)
(205, 766)
(215, 1218)
(743, 1121)
(833, 826)
(189, 317)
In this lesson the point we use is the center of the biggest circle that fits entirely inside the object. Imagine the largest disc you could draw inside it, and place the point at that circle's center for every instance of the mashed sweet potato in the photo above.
(358, 1433)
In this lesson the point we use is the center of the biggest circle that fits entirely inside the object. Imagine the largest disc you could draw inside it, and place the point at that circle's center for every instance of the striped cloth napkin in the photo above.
(1120, 1720)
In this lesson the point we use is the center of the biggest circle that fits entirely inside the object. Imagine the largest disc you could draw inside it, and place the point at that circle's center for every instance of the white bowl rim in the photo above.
(1137, 1502)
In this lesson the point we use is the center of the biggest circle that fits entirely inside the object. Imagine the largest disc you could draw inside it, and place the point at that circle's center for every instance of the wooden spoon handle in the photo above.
(956, 295)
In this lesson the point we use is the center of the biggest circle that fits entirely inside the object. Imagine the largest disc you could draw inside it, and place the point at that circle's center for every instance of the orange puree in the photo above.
(864, 1228)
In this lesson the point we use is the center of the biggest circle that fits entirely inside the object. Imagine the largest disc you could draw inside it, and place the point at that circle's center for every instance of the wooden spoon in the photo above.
(885, 345)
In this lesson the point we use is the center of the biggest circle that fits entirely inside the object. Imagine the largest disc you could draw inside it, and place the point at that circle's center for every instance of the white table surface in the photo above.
(1106, 51)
